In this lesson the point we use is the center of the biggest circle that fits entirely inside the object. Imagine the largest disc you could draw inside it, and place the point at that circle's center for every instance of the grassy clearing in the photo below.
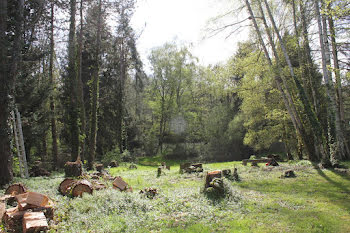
(315, 201)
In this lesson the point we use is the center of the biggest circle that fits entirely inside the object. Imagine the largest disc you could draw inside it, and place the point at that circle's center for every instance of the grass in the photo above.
(315, 201)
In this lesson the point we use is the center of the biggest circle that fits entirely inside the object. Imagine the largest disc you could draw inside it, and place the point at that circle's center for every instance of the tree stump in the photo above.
(98, 185)
(132, 166)
(66, 186)
(83, 186)
(235, 174)
(16, 189)
(226, 172)
(159, 171)
(113, 164)
(73, 169)
(99, 167)
(13, 218)
(210, 176)
(289, 174)
(34, 222)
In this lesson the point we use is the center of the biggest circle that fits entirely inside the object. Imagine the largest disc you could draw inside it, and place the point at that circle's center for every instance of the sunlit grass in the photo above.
(315, 201)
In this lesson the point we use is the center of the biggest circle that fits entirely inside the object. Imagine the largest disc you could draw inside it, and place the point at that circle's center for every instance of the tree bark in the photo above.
(80, 87)
(72, 86)
(95, 91)
(52, 82)
(7, 83)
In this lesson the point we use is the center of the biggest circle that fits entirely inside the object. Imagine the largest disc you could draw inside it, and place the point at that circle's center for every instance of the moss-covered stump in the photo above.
(73, 169)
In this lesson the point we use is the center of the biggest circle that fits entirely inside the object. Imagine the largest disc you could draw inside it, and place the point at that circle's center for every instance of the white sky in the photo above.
(184, 21)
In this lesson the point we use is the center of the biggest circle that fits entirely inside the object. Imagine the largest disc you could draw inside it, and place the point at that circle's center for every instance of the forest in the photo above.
(76, 94)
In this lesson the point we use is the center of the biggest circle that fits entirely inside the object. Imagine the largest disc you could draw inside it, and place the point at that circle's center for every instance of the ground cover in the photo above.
(314, 201)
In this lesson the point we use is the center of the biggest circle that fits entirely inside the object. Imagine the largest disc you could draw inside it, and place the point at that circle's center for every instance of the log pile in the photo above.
(31, 214)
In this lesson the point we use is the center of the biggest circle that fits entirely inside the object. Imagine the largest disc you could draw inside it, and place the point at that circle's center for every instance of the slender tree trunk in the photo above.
(322, 29)
(315, 124)
(52, 102)
(80, 86)
(72, 83)
(7, 83)
(307, 58)
(95, 87)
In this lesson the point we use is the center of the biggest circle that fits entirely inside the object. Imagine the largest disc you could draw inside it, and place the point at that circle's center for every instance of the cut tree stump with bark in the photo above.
(16, 189)
(210, 176)
(37, 199)
(82, 186)
(73, 169)
(34, 222)
(66, 186)
(113, 164)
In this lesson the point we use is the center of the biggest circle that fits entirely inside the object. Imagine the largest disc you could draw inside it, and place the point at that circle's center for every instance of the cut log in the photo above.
(66, 186)
(16, 189)
(7, 198)
(13, 219)
(73, 169)
(120, 184)
(48, 210)
(83, 186)
(210, 176)
(34, 222)
(22, 202)
(37, 199)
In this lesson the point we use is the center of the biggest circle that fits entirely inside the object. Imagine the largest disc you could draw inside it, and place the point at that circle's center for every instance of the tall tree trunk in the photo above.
(322, 29)
(52, 102)
(7, 83)
(95, 86)
(307, 59)
(72, 83)
(315, 124)
(80, 86)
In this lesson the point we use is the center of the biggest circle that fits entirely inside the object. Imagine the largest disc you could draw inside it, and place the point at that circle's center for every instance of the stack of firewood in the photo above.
(31, 214)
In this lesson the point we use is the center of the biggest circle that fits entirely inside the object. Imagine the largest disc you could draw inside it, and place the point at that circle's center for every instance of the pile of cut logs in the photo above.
(32, 212)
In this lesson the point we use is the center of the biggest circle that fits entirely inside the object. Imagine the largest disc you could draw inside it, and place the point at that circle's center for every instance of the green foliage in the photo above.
(113, 155)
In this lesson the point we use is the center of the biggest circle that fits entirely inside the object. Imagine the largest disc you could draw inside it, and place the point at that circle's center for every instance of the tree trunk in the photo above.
(340, 140)
(72, 84)
(95, 91)
(52, 82)
(80, 86)
(5, 88)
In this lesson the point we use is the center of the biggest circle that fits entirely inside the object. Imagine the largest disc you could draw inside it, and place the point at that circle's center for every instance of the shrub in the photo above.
(113, 155)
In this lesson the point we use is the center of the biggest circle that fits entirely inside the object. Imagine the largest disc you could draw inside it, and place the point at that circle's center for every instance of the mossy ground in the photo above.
(315, 201)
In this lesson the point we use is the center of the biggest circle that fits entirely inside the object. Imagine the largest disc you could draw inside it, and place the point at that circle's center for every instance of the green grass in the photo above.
(315, 201)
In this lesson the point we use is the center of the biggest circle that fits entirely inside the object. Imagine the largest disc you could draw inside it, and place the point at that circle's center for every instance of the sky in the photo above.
(184, 21)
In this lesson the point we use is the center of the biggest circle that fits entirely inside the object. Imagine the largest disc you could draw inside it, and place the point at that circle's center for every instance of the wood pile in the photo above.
(190, 168)
(121, 185)
(31, 214)
(73, 169)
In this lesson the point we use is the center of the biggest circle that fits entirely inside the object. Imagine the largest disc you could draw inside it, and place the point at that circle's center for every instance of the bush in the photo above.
(113, 155)
(126, 156)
